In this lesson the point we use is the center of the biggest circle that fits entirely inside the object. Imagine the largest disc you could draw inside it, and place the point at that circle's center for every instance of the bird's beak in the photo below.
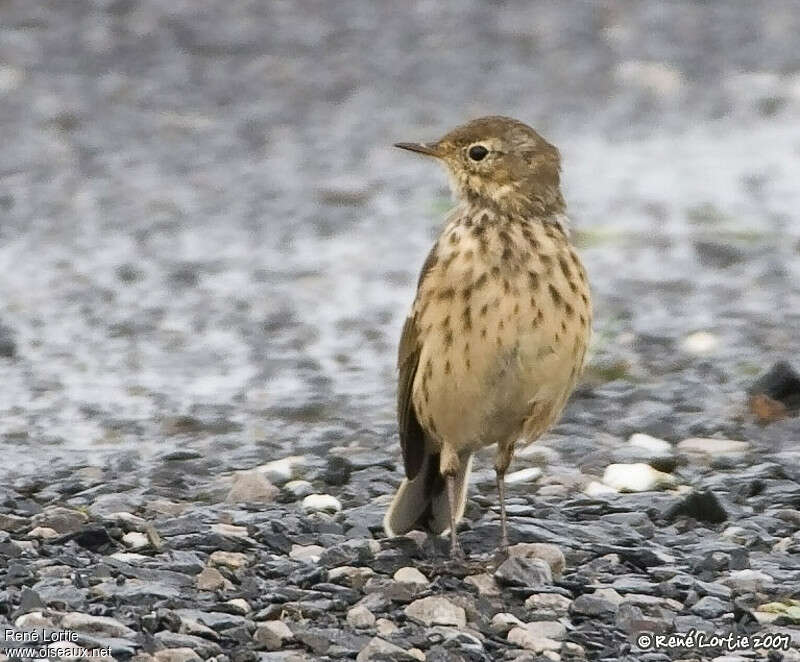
(429, 149)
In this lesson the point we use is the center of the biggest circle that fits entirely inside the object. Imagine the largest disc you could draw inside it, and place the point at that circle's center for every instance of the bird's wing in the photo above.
(412, 436)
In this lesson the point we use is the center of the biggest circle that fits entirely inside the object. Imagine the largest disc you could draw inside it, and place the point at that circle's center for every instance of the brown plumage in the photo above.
(497, 334)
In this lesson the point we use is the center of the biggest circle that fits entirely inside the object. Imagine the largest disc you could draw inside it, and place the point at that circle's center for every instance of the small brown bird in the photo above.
(497, 335)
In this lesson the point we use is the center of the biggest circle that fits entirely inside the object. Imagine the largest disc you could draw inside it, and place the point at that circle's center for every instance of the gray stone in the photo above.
(436, 610)
(516, 571)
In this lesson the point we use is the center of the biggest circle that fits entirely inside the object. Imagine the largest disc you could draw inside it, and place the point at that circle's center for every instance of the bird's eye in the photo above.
(477, 152)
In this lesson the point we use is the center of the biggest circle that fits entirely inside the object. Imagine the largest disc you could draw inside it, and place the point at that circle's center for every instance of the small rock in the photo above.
(652, 444)
(747, 581)
(251, 487)
(34, 621)
(230, 530)
(700, 343)
(548, 629)
(436, 610)
(503, 622)
(281, 471)
(485, 584)
(310, 553)
(239, 606)
(298, 488)
(61, 520)
(351, 576)
(176, 655)
(99, 625)
(12, 523)
(272, 634)
(210, 579)
(710, 607)
(781, 383)
(43, 532)
(409, 575)
(703, 506)
(135, 540)
(712, 447)
(548, 603)
(380, 650)
(524, 638)
(597, 489)
(360, 617)
(638, 477)
(517, 571)
(321, 503)
(523, 476)
(592, 604)
(385, 627)
(232, 560)
(541, 550)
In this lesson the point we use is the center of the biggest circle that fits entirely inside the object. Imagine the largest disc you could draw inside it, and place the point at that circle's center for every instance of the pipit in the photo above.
(497, 334)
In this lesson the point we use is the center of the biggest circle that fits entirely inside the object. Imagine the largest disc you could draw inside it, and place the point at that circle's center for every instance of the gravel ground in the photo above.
(208, 246)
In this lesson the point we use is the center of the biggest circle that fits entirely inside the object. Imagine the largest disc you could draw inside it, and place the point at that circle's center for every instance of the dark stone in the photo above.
(592, 605)
(338, 470)
(517, 571)
(703, 506)
(780, 383)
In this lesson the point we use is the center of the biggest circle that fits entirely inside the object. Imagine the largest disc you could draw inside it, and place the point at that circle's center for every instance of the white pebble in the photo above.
(281, 471)
(135, 540)
(409, 575)
(700, 343)
(652, 444)
(523, 475)
(321, 503)
(596, 488)
(638, 477)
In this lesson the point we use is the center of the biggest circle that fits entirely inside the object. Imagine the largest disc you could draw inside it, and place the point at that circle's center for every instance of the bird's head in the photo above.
(499, 161)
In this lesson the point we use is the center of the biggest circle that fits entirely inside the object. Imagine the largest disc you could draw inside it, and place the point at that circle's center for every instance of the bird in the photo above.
(497, 335)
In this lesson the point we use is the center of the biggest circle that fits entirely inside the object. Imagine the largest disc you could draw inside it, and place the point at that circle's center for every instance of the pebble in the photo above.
(360, 617)
(210, 579)
(747, 581)
(380, 650)
(597, 489)
(653, 445)
(272, 634)
(62, 520)
(43, 532)
(135, 540)
(435, 610)
(516, 571)
(548, 602)
(502, 622)
(710, 607)
(99, 625)
(700, 343)
(239, 606)
(321, 503)
(523, 637)
(310, 553)
(409, 575)
(232, 560)
(485, 583)
(712, 447)
(298, 488)
(523, 476)
(283, 470)
(551, 554)
(251, 487)
(637, 477)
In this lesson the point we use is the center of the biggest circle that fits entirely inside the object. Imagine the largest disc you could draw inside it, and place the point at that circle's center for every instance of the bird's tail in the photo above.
(422, 503)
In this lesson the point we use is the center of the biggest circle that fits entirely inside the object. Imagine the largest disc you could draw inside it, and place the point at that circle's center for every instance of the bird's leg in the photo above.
(449, 467)
(502, 461)
(456, 553)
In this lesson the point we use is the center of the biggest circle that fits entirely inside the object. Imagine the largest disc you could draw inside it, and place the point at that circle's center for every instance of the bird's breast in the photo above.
(503, 317)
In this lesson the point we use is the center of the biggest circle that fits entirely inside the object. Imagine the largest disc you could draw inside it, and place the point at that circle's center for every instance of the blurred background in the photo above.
(208, 245)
